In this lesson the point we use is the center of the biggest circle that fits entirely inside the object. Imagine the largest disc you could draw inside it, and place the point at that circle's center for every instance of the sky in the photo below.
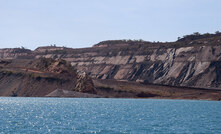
(83, 23)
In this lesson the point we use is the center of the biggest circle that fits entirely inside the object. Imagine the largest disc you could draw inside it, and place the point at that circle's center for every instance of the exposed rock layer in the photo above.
(40, 77)
(194, 61)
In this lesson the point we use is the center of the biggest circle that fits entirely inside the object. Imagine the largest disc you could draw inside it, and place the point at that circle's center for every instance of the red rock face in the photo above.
(192, 61)
(40, 77)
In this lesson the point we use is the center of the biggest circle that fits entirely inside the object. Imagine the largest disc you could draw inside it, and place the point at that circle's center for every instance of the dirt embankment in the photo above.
(113, 88)
(38, 78)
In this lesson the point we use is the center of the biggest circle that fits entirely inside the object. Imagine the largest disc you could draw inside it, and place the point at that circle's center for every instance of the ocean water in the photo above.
(104, 116)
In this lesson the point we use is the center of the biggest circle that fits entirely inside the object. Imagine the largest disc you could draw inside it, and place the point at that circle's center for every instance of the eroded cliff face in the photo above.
(14, 53)
(40, 77)
(185, 66)
(191, 63)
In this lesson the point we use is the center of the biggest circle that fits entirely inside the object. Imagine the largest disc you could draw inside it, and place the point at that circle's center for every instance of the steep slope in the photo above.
(40, 77)
(192, 61)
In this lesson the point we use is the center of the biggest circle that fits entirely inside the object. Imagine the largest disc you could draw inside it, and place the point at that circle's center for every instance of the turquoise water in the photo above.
(75, 115)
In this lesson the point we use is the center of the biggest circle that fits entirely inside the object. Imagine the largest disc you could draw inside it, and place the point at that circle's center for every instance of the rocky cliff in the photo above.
(40, 77)
(192, 61)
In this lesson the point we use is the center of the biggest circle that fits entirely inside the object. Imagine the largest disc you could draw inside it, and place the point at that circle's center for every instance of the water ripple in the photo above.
(101, 116)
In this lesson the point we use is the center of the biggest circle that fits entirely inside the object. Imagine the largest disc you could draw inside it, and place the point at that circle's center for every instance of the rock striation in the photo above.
(192, 61)
(189, 63)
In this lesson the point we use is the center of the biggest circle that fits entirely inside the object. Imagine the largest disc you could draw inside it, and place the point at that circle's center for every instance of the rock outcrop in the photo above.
(40, 77)
(192, 61)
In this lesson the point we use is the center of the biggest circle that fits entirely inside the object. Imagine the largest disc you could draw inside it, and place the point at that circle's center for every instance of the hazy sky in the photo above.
(82, 23)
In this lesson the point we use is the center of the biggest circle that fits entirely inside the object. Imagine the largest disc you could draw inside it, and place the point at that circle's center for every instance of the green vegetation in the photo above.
(45, 62)
(197, 35)
(21, 50)
(124, 41)
(59, 52)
